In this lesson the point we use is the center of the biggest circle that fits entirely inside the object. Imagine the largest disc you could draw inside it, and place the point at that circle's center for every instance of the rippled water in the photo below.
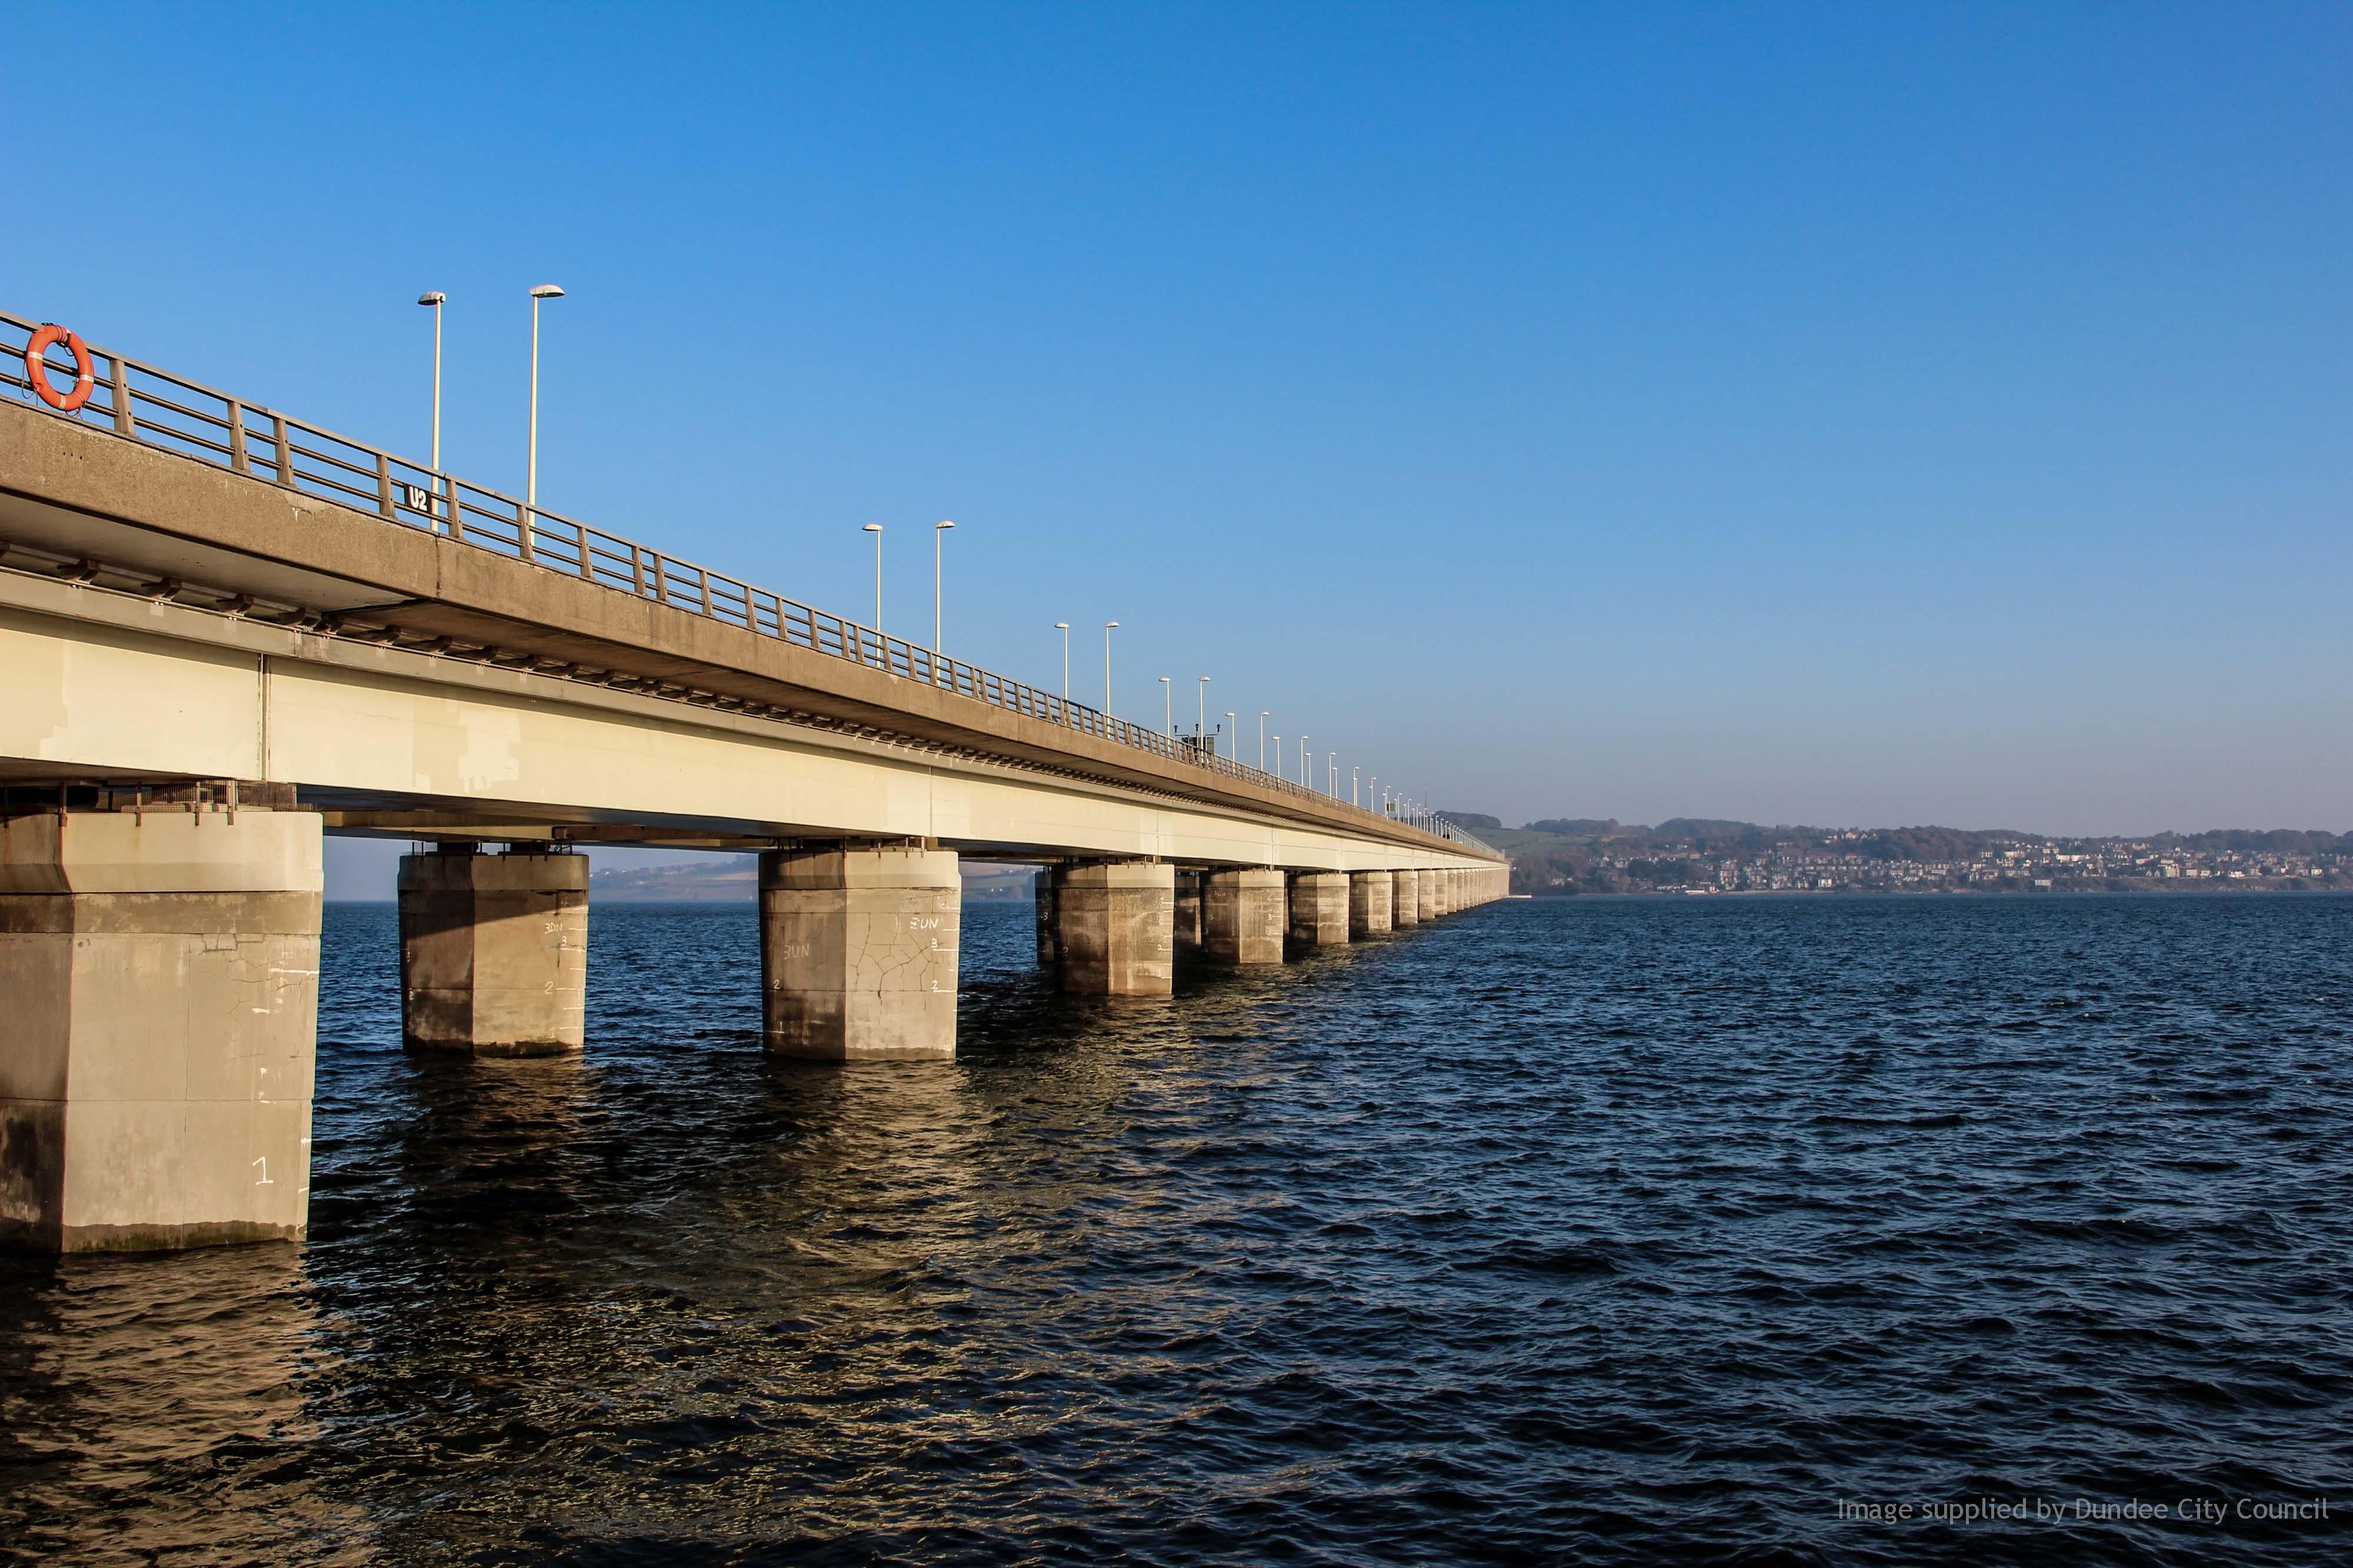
(1619, 1232)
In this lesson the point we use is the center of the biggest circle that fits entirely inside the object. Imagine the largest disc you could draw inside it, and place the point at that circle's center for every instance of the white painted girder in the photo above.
(110, 682)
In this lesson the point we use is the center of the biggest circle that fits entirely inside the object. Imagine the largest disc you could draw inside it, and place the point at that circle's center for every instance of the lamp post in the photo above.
(1352, 787)
(531, 472)
(1201, 705)
(1277, 757)
(436, 299)
(1236, 742)
(1064, 627)
(1107, 626)
(1302, 759)
(876, 529)
(1261, 740)
(1167, 713)
(938, 529)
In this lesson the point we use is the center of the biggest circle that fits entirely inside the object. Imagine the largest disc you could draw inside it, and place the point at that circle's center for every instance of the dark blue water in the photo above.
(1580, 1231)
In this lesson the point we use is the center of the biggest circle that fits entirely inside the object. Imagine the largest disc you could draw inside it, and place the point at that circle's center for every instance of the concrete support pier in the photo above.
(494, 952)
(1319, 908)
(857, 953)
(160, 971)
(1188, 932)
(1370, 894)
(1405, 899)
(1430, 908)
(1043, 888)
(1243, 919)
(1115, 929)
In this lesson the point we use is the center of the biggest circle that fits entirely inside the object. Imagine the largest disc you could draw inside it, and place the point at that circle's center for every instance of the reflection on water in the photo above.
(1614, 1232)
(140, 1400)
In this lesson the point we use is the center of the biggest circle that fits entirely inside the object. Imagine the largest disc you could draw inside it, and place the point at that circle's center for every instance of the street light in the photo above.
(1236, 742)
(1277, 757)
(1261, 740)
(1302, 759)
(1107, 626)
(876, 529)
(1167, 714)
(530, 476)
(938, 529)
(1201, 705)
(1352, 787)
(1064, 627)
(436, 299)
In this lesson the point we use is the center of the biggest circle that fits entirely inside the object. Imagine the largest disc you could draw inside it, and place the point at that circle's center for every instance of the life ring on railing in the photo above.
(38, 373)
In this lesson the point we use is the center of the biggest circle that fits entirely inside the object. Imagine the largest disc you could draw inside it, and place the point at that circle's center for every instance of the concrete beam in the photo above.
(858, 953)
(161, 975)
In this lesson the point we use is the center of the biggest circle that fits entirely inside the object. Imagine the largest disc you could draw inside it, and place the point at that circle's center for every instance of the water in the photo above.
(1618, 1232)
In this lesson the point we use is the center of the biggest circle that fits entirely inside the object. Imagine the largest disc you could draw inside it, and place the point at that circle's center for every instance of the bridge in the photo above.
(225, 632)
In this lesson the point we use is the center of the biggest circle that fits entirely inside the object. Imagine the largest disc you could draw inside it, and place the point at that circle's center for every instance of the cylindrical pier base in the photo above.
(1319, 908)
(857, 953)
(494, 952)
(1242, 916)
(1115, 929)
(160, 971)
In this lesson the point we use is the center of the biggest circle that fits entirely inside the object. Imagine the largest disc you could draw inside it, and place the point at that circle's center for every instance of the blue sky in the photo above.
(1857, 415)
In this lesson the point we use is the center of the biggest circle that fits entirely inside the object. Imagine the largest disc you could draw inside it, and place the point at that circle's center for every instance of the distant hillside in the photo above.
(1572, 854)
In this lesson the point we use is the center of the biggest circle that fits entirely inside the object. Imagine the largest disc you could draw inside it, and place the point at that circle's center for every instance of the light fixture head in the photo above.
(872, 527)
(1061, 625)
(433, 297)
(1108, 624)
(944, 525)
(547, 291)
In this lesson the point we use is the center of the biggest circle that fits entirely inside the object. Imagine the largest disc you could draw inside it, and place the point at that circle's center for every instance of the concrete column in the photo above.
(160, 974)
(857, 953)
(1370, 894)
(1188, 929)
(494, 952)
(1044, 888)
(1319, 908)
(1431, 908)
(1405, 899)
(1116, 925)
(1458, 889)
(1242, 916)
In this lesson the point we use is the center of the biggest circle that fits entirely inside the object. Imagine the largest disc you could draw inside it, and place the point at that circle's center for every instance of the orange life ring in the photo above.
(85, 378)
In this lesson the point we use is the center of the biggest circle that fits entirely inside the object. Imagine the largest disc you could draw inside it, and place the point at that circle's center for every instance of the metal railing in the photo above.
(175, 414)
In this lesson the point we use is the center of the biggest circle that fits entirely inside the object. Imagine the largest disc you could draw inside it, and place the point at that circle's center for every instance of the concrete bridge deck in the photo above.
(224, 632)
